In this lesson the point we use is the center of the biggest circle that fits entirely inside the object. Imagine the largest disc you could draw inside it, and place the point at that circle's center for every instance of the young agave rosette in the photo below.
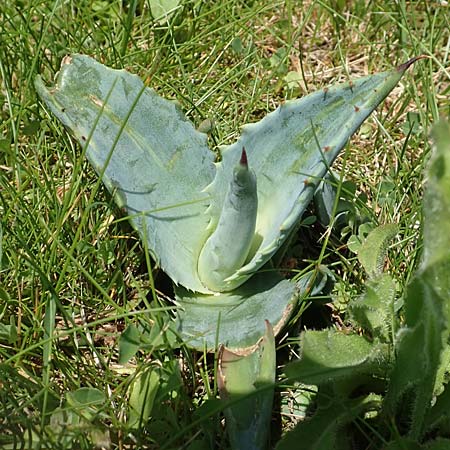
(211, 226)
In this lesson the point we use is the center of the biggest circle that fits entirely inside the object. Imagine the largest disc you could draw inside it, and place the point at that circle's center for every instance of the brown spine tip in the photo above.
(243, 161)
(269, 328)
(66, 60)
(407, 64)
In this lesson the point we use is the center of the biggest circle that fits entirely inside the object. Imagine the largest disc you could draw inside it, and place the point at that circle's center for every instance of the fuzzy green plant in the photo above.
(396, 370)
(213, 227)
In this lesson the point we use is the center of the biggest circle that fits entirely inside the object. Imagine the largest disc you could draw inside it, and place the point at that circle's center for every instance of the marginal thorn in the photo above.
(407, 64)
(243, 161)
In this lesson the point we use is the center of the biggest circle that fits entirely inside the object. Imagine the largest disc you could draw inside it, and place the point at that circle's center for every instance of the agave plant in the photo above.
(213, 227)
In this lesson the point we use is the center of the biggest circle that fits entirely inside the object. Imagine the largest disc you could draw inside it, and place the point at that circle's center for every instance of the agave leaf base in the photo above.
(236, 319)
(246, 383)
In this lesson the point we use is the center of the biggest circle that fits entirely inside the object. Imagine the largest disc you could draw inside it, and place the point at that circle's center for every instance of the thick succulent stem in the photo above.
(227, 248)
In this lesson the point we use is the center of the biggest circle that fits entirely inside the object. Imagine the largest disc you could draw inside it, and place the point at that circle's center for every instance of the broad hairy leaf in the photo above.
(330, 355)
(403, 443)
(439, 443)
(324, 429)
(372, 253)
(374, 310)
(440, 412)
(421, 342)
(436, 204)
(419, 348)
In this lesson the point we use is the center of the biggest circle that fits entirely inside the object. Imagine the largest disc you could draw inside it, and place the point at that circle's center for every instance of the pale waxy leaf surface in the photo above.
(160, 169)
(236, 319)
(227, 248)
(291, 150)
(157, 164)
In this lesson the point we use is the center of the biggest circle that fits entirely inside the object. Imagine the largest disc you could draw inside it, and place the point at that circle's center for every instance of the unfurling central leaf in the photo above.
(227, 249)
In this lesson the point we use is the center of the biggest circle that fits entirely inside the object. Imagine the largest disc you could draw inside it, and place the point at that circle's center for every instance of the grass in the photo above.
(74, 275)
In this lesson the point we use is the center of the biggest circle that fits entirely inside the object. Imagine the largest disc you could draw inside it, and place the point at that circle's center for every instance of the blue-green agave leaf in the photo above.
(147, 153)
(246, 380)
(325, 199)
(235, 319)
(227, 247)
(291, 150)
